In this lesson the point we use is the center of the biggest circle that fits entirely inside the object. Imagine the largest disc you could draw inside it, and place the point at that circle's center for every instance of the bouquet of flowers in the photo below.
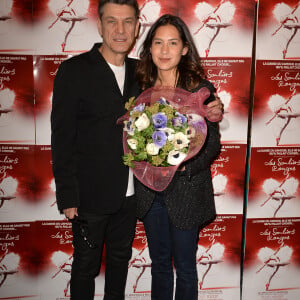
(163, 128)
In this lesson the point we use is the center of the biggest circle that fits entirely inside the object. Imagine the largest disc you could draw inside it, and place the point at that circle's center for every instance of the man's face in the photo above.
(118, 28)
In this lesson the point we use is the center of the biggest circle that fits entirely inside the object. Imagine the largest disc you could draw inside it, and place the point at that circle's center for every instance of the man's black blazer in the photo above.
(86, 141)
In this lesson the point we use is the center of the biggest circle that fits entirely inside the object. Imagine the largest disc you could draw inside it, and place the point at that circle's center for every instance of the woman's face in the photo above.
(167, 48)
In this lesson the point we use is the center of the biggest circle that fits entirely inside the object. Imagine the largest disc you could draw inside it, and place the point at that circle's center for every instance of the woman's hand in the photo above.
(215, 109)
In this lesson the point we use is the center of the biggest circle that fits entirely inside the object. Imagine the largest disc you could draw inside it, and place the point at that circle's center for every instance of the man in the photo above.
(92, 186)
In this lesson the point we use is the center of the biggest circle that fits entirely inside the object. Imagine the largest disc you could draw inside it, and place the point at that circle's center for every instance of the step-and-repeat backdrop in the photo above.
(255, 178)
(272, 257)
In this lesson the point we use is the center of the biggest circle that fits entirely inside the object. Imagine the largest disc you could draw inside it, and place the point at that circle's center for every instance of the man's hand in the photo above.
(70, 213)
(215, 110)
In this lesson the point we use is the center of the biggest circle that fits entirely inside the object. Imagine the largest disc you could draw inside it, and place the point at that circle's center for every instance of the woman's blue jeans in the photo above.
(167, 243)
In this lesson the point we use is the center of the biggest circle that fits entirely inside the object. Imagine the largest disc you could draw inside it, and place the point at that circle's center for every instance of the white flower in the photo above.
(169, 133)
(132, 143)
(152, 149)
(180, 141)
(129, 126)
(142, 122)
(175, 157)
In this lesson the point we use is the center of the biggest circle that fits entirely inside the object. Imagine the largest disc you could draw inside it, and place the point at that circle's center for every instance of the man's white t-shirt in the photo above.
(119, 72)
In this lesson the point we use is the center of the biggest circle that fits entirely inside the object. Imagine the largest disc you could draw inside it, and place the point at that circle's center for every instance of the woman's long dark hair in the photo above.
(190, 71)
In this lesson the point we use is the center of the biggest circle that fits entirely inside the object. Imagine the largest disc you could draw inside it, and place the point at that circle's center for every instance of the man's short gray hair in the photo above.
(132, 3)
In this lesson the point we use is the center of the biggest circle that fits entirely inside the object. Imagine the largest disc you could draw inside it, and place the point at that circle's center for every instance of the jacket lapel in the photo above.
(130, 80)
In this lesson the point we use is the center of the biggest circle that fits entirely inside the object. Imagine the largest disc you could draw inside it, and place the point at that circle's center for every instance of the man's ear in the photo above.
(99, 26)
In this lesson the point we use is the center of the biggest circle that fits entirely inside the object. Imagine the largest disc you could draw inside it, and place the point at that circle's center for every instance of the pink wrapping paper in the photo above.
(190, 104)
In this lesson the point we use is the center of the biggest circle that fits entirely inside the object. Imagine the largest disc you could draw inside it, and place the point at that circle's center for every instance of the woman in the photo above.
(172, 218)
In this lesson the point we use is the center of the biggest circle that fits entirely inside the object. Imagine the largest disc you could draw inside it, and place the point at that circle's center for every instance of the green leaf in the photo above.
(130, 103)
(128, 159)
(141, 156)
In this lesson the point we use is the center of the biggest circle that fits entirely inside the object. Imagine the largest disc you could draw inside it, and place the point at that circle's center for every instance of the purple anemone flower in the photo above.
(179, 120)
(163, 101)
(159, 138)
(160, 120)
(140, 107)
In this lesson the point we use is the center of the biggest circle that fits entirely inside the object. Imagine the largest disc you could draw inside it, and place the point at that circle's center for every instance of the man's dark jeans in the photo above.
(90, 233)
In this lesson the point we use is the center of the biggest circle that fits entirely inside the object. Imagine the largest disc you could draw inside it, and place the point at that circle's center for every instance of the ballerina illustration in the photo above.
(140, 261)
(288, 19)
(274, 260)
(5, 10)
(284, 111)
(208, 257)
(219, 184)
(214, 19)
(9, 263)
(68, 15)
(280, 192)
(64, 263)
(8, 187)
(7, 98)
(149, 13)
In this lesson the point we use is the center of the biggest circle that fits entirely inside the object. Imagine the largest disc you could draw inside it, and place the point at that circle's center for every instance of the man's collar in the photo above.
(95, 53)
(97, 56)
